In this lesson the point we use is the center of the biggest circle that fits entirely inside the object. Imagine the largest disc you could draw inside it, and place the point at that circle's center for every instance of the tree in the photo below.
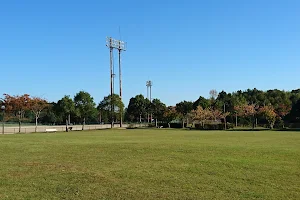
(183, 108)
(216, 115)
(239, 111)
(158, 109)
(17, 105)
(294, 115)
(84, 105)
(270, 115)
(170, 114)
(294, 96)
(201, 101)
(49, 116)
(37, 105)
(235, 106)
(65, 107)
(200, 115)
(250, 111)
(282, 111)
(213, 94)
(247, 111)
(112, 105)
(137, 107)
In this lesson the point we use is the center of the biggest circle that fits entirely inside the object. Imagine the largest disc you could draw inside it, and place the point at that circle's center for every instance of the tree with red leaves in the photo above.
(170, 114)
(282, 110)
(269, 113)
(239, 112)
(246, 110)
(17, 105)
(37, 105)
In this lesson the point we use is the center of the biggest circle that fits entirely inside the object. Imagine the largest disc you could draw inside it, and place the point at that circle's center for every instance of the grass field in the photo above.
(151, 164)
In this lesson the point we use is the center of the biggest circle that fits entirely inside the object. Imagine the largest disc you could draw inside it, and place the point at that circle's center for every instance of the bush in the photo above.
(164, 125)
(151, 125)
(279, 124)
(230, 125)
(176, 125)
(131, 126)
(172, 125)
(293, 125)
(210, 126)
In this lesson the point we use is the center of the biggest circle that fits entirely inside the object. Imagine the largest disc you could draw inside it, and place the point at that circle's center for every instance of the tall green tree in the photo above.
(294, 115)
(65, 107)
(49, 116)
(183, 108)
(85, 106)
(201, 101)
(112, 106)
(138, 107)
(158, 109)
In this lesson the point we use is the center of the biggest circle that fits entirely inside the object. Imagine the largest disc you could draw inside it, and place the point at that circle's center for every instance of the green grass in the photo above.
(151, 164)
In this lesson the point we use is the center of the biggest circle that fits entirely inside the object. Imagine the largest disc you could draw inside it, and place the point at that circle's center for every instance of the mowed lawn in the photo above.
(151, 164)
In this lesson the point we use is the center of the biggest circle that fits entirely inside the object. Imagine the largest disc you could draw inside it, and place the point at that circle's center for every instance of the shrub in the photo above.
(131, 126)
(172, 125)
(151, 125)
(230, 125)
(210, 126)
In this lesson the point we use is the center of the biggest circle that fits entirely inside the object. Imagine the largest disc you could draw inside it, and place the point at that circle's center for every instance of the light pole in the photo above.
(120, 46)
(149, 86)
(3, 115)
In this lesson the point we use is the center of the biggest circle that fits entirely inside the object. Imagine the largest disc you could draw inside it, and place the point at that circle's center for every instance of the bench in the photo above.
(51, 130)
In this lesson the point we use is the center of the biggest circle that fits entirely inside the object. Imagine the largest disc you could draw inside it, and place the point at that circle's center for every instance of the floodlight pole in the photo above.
(120, 82)
(225, 123)
(111, 81)
(149, 86)
(120, 46)
(151, 100)
(3, 116)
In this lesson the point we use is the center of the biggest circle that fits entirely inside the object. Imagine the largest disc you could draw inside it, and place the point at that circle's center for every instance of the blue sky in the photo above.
(57, 47)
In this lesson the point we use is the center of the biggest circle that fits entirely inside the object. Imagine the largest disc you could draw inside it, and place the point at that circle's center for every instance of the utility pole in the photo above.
(3, 116)
(120, 46)
(149, 87)
(111, 82)
(151, 100)
(225, 117)
(147, 98)
(120, 82)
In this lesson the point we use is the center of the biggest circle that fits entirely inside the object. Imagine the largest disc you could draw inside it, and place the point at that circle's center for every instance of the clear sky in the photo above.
(57, 47)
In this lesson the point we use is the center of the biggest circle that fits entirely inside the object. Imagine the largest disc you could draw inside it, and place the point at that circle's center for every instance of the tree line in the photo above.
(77, 110)
(252, 107)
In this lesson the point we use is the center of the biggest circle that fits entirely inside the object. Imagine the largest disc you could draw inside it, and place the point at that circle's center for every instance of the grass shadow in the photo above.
(288, 129)
(249, 129)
